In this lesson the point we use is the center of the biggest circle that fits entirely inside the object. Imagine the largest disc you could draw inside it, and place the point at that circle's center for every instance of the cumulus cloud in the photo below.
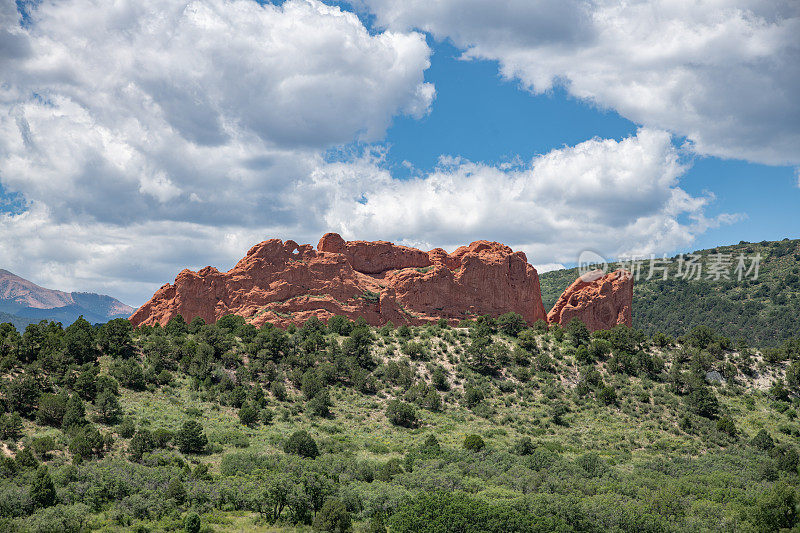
(148, 136)
(158, 103)
(616, 197)
(724, 73)
(132, 122)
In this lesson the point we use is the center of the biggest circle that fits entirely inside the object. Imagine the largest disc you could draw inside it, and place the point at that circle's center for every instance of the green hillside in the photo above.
(486, 428)
(18, 322)
(761, 312)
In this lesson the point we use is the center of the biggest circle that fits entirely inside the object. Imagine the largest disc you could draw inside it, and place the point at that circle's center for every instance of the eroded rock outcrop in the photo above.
(286, 283)
(600, 301)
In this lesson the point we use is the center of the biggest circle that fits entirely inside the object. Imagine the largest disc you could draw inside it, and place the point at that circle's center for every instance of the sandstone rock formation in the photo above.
(286, 283)
(600, 301)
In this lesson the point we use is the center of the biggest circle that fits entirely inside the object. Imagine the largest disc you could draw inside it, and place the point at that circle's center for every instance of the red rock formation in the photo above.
(599, 301)
(284, 283)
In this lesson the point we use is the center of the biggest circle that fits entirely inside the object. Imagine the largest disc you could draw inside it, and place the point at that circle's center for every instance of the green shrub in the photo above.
(320, 405)
(607, 395)
(333, 517)
(726, 425)
(511, 324)
(523, 446)
(763, 440)
(474, 443)
(401, 414)
(473, 396)
(43, 492)
(191, 438)
(192, 523)
(51, 409)
(248, 414)
(302, 444)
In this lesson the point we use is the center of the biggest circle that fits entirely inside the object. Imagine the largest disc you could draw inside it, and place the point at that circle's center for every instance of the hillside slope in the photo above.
(762, 312)
(423, 429)
(30, 302)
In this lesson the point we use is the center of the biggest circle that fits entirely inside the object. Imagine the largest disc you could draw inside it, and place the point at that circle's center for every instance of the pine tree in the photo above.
(191, 438)
(43, 492)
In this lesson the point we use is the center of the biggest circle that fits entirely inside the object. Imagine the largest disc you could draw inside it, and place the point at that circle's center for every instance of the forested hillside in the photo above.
(488, 427)
(760, 312)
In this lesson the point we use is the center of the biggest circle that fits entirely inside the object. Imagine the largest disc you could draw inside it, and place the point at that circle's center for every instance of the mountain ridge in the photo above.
(25, 301)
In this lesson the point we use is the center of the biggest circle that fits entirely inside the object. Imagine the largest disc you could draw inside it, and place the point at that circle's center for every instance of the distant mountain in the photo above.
(762, 311)
(23, 302)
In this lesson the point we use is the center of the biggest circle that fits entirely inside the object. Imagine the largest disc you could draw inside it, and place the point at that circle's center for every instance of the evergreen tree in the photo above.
(43, 492)
(75, 414)
(191, 438)
(108, 408)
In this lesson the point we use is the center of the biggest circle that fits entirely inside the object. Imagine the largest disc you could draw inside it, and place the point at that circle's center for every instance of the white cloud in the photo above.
(618, 197)
(122, 111)
(145, 130)
(151, 136)
(723, 73)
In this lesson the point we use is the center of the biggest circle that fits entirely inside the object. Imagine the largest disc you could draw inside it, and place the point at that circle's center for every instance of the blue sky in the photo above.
(545, 124)
(482, 117)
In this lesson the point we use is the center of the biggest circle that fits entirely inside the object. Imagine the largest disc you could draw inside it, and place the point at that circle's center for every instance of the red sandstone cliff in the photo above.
(286, 283)
(599, 301)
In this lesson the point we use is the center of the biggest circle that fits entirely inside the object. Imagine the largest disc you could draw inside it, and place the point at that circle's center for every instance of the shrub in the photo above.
(511, 324)
(127, 428)
(340, 325)
(726, 425)
(703, 402)
(175, 491)
(577, 332)
(75, 413)
(557, 412)
(776, 509)
(524, 446)
(473, 396)
(302, 444)
(320, 404)
(43, 492)
(404, 332)
(248, 414)
(763, 440)
(591, 464)
(192, 523)
(129, 373)
(311, 384)
(51, 409)
(607, 395)
(431, 445)
(21, 394)
(401, 414)
(108, 408)
(278, 390)
(140, 444)
(42, 446)
(416, 351)
(333, 517)
(191, 438)
(10, 426)
(439, 379)
(474, 443)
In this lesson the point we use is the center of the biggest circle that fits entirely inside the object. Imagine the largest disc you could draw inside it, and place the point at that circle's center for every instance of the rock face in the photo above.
(286, 283)
(600, 301)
